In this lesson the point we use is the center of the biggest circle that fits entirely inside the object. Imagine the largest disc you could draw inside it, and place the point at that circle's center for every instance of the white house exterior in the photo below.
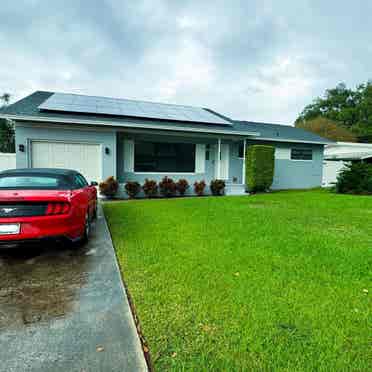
(135, 140)
(7, 161)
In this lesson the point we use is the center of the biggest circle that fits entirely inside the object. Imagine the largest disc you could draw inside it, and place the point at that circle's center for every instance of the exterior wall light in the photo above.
(107, 151)
(21, 148)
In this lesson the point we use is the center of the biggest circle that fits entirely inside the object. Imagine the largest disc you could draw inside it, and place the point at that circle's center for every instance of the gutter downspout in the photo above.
(243, 170)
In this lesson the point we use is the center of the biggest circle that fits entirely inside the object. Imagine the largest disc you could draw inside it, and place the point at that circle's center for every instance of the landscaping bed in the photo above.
(278, 281)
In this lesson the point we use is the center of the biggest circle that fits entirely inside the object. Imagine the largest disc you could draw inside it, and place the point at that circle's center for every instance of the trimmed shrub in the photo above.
(199, 187)
(217, 187)
(259, 167)
(150, 188)
(355, 178)
(182, 185)
(132, 189)
(167, 187)
(109, 187)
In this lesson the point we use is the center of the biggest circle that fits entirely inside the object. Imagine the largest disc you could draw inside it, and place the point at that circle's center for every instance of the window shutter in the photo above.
(128, 156)
(200, 158)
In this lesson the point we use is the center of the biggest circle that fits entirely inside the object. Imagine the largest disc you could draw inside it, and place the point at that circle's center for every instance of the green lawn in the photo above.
(271, 282)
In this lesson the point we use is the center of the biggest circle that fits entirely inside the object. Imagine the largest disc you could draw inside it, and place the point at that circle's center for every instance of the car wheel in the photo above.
(95, 213)
(86, 234)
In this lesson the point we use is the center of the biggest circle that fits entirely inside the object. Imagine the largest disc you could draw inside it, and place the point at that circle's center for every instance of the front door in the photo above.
(223, 172)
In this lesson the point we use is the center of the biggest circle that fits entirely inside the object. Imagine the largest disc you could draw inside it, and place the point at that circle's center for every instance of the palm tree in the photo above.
(7, 142)
(5, 98)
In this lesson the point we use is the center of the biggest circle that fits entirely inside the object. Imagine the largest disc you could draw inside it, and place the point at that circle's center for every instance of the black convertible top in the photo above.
(30, 178)
(40, 171)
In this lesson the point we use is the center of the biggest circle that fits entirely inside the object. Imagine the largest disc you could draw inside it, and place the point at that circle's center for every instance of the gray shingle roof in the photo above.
(277, 131)
(28, 107)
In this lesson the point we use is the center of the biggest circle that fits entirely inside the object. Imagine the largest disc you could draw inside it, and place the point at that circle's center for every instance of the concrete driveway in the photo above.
(64, 310)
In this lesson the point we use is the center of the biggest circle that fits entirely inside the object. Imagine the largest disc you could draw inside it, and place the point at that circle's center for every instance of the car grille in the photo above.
(22, 210)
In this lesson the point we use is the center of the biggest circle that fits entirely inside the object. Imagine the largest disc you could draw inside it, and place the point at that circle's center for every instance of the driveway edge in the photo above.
(133, 322)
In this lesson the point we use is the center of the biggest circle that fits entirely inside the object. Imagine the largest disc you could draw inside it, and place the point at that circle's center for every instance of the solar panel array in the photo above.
(124, 107)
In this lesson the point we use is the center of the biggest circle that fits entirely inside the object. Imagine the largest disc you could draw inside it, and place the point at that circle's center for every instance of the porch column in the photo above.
(243, 170)
(219, 159)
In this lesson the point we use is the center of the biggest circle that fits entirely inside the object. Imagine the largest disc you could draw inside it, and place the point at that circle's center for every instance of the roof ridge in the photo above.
(263, 123)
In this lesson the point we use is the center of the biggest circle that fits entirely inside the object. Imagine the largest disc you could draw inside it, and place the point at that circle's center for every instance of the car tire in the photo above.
(95, 213)
(85, 236)
(87, 227)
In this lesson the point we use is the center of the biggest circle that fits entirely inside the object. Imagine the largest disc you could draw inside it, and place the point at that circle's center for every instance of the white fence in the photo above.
(7, 161)
(331, 169)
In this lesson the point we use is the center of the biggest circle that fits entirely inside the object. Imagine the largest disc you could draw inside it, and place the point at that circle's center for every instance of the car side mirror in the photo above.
(94, 183)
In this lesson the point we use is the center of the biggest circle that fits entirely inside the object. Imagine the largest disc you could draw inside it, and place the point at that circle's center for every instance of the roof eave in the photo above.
(291, 140)
(128, 125)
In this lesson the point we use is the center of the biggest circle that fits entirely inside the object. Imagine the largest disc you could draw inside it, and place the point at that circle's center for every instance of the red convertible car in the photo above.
(38, 204)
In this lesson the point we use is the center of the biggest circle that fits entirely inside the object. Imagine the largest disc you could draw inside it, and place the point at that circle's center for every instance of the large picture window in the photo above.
(164, 157)
(301, 154)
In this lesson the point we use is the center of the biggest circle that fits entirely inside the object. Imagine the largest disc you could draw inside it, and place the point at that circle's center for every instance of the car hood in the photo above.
(34, 195)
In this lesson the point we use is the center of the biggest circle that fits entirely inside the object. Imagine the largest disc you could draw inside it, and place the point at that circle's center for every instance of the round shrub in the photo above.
(199, 187)
(132, 189)
(167, 187)
(182, 185)
(150, 188)
(109, 187)
(217, 187)
(355, 178)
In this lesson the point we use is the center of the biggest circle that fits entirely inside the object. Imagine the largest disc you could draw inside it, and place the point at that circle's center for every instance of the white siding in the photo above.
(282, 153)
(331, 169)
(128, 155)
(200, 158)
(7, 161)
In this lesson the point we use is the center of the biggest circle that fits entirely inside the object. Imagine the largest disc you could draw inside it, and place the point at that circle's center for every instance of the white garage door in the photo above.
(85, 158)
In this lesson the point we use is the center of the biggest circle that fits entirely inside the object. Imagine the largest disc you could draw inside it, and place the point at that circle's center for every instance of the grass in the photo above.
(271, 282)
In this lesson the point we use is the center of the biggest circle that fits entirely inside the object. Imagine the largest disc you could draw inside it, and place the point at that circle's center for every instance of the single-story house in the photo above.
(134, 140)
(338, 154)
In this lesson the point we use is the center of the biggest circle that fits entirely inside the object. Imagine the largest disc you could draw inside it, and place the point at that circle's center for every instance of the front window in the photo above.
(301, 154)
(164, 157)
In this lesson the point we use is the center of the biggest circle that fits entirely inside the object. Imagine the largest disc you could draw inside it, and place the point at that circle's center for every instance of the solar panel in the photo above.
(123, 107)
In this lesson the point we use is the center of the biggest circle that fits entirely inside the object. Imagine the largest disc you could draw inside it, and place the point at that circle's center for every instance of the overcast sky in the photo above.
(253, 60)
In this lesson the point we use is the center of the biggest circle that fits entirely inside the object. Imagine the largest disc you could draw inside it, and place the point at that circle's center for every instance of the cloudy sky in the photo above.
(255, 60)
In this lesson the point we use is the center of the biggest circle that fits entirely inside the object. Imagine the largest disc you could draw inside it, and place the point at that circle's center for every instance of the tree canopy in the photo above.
(347, 108)
(7, 141)
(328, 129)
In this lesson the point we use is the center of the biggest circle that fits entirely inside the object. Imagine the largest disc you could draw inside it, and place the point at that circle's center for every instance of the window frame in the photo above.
(83, 180)
(301, 149)
(163, 172)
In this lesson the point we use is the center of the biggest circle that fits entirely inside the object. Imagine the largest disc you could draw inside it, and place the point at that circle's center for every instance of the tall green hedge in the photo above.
(259, 167)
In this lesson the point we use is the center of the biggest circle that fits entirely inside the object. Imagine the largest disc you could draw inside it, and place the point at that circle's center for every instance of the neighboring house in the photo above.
(135, 140)
(338, 154)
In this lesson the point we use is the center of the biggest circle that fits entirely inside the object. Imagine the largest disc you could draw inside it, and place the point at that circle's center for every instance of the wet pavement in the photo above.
(65, 310)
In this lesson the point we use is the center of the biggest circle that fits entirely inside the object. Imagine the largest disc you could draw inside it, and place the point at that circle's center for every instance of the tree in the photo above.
(347, 108)
(7, 140)
(328, 129)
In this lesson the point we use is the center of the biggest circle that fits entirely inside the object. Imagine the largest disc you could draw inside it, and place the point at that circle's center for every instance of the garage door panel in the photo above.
(85, 158)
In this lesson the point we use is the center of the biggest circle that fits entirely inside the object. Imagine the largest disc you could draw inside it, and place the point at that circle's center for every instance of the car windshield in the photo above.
(48, 182)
